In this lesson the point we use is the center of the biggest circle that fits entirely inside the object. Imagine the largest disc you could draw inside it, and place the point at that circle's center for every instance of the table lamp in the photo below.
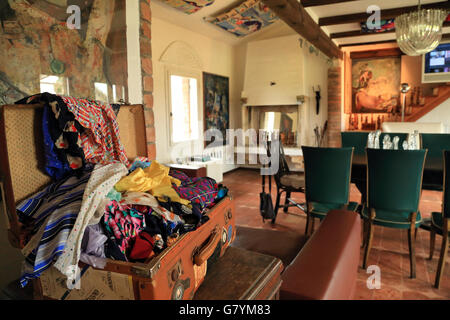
(404, 89)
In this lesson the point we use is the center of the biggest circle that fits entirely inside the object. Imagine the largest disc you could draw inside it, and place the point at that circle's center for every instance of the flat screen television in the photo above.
(436, 64)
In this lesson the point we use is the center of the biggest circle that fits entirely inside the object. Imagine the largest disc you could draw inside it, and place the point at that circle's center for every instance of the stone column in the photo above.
(145, 40)
(334, 107)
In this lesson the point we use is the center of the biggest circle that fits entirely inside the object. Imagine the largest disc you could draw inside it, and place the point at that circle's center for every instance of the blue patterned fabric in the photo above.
(54, 167)
(51, 213)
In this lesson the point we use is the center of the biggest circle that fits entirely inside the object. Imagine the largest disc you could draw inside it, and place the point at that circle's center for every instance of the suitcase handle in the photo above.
(206, 252)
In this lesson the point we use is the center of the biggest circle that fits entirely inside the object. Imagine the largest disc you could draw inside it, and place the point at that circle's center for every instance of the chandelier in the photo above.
(420, 31)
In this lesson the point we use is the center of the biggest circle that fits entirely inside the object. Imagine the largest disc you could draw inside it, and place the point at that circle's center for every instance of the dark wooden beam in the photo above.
(385, 14)
(294, 15)
(382, 53)
(358, 33)
(355, 33)
(315, 3)
(444, 37)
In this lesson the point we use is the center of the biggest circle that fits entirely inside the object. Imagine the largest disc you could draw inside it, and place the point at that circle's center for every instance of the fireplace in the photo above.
(282, 118)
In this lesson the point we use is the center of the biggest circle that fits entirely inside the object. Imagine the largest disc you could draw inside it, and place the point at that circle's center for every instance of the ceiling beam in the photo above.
(293, 14)
(444, 37)
(315, 3)
(359, 33)
(385, 14)
(356, 33)
(382, 53)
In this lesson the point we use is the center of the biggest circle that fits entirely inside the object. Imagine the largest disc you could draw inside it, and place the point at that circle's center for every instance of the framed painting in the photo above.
(376, 85)
(216, 103)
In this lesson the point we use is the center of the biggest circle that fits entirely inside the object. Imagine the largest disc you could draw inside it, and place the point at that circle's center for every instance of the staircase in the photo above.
(431, 102)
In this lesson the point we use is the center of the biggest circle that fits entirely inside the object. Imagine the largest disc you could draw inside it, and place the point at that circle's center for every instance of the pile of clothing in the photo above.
(76, 132)
(101, 206)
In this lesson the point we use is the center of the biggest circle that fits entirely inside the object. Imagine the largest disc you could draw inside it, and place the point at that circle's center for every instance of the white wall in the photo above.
(275, 60)
(439, 114)
(216, 57)
(315, 73)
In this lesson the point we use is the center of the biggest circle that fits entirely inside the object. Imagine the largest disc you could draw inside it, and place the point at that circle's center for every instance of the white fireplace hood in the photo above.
(273, 72)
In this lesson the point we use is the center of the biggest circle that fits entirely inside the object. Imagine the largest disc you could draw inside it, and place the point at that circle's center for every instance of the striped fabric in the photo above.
(101, 142)
(53, 212)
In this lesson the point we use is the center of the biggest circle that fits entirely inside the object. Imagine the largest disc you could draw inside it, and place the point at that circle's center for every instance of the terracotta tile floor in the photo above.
(390, 246)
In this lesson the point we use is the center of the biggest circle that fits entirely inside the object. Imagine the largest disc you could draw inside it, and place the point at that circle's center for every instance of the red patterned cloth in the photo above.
(101, 141)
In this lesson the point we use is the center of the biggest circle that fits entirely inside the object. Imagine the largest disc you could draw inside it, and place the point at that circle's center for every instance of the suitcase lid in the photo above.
(22, 156)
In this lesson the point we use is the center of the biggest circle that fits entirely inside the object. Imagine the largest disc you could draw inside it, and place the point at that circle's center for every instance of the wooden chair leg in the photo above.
(309, 208)
(412, 246)
(312, 225)
(286, 202)
(432, 242)
(364, 233)
(368, 243)
(412, 254)
(277, 203)
(369, 238)
(443, 256)
(307, 224)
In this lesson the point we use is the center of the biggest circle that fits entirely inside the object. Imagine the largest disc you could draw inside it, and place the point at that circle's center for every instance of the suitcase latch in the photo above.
(144, 270)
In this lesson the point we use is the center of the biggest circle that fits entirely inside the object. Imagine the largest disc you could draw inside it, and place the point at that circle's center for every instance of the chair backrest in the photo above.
(435, 143)
(355, 139)
(327, 174)
(394, 179)
(283, 167)
(446, 193)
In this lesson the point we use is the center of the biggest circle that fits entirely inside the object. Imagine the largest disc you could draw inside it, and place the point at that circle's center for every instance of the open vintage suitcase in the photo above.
(176, 273)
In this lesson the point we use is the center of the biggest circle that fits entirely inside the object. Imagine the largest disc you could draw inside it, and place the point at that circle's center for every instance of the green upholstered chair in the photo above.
(327, 182)
(435, 143)
(394, 183)
(440, 222)
(355, 139)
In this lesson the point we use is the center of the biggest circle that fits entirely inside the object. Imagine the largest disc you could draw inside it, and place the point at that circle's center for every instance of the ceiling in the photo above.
(340, 19)
(196, 22)
(343, 33)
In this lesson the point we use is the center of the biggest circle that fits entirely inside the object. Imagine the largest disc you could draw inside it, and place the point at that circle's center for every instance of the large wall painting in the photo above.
(190, 6)
(39, 52)
(376, 85)
(216, 103)
(247, 18)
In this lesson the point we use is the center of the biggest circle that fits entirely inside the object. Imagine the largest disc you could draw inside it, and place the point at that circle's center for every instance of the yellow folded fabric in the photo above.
(168, 191)
(154, 179)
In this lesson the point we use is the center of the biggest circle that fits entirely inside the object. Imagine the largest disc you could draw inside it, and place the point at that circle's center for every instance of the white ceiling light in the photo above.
(420, 31)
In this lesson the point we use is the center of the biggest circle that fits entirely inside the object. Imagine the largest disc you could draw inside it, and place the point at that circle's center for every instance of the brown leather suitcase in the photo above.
(176, 273)
(242, 275)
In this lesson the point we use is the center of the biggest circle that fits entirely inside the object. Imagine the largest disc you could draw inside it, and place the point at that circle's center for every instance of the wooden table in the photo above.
(242, 275)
